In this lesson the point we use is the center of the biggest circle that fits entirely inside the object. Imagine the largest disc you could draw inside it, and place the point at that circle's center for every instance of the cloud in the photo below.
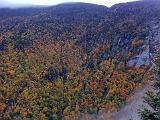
(21, 3)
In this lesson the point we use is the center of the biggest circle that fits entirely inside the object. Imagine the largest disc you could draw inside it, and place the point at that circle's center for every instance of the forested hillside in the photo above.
(57, 62)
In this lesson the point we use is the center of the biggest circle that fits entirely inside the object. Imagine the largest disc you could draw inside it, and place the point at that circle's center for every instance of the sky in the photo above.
(21, 3)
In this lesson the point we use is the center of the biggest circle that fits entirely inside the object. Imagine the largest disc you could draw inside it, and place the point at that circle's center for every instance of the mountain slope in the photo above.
(61, 61)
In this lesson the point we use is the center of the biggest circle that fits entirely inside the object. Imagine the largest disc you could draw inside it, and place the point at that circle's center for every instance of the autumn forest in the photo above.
(62, 61)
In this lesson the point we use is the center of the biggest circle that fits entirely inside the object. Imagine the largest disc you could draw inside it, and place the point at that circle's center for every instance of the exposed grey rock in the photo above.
(152, 45)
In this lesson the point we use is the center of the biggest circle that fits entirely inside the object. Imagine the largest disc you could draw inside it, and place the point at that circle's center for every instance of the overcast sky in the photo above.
(20, 3)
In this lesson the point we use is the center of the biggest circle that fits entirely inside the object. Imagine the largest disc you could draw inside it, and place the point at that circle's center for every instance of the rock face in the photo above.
(152, 45)
(155, 36)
